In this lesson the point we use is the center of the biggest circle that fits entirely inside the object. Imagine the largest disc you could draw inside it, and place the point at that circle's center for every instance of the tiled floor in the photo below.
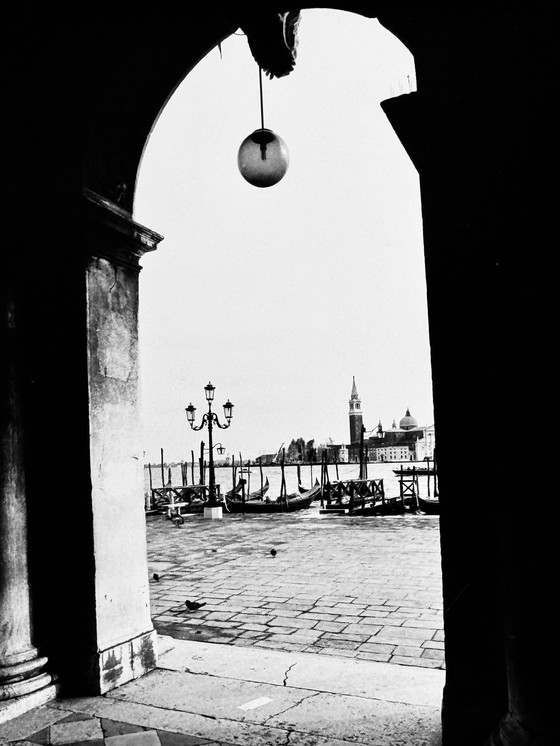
(350, 586)
(335, 640)
(86, 730)
(83, 728)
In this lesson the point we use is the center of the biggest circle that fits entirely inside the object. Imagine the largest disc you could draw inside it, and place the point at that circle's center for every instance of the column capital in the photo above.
(113, 234)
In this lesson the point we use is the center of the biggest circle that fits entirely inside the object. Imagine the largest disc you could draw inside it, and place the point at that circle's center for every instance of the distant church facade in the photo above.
(407, 442)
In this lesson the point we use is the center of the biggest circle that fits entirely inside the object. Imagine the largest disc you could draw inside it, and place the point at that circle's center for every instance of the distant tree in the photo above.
(295, 451)
(290, 451)
(310, 451)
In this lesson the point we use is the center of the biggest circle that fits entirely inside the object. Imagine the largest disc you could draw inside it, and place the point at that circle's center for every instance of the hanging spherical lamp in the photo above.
(263, 156)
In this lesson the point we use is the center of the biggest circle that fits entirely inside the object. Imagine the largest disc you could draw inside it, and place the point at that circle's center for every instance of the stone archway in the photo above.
(69, 384)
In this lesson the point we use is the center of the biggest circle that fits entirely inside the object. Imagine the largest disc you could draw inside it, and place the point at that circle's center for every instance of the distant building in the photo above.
(355, 414)
(407, 442)
(343, 454)
(266, 459)
(270, 459)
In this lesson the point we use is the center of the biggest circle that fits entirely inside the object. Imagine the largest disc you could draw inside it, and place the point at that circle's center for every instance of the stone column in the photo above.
(21, 666)
(463, 313)
(486, 254)
(125, 638)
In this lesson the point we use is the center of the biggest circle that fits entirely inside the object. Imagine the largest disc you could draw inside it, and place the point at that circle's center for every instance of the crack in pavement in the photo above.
(287, 672)
(294, 704)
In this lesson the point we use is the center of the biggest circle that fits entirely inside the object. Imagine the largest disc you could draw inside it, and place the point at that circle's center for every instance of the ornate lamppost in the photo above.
(213, 508)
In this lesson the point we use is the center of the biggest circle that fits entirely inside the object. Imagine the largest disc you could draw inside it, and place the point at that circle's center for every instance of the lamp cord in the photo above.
(261, 97)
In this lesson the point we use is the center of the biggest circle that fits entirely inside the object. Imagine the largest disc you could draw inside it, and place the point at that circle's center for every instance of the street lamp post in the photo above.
(218, 447)
(213, 508)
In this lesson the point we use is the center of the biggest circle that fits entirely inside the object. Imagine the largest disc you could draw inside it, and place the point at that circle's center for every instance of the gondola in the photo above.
(231, 494)
(282, 504)
(260, 493)
(421, 471)
(303, 489)
(255, 495)
(429, 505)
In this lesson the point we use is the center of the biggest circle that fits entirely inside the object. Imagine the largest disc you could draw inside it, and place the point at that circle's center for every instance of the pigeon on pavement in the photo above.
(194, 605)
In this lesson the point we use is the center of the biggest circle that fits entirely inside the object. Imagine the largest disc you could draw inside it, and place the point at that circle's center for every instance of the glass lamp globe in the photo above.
(263, 158)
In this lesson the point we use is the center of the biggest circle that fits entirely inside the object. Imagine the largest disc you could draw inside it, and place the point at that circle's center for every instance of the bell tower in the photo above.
(355, 414)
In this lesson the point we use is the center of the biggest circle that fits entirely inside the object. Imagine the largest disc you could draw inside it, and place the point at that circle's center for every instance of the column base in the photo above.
(213, 513)
(13, 708)
(24, 684)
(22, 674)
(124, 662)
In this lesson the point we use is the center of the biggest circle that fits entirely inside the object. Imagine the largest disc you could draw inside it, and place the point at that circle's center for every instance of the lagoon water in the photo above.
(224, 476)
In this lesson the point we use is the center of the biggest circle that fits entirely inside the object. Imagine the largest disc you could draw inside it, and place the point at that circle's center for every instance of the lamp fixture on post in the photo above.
(263, 156)
(213, 508)
(219, 448)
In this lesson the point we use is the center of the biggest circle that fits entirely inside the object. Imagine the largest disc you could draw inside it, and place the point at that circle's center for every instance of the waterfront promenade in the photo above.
(335, 640)
(361, 587)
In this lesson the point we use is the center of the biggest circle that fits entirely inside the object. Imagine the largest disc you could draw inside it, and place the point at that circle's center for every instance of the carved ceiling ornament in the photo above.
(272, 38)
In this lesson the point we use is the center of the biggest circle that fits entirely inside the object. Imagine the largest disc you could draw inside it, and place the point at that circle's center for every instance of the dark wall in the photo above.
(474, 131)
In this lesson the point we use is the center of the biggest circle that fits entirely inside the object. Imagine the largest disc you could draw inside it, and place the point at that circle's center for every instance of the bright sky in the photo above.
(278, 296)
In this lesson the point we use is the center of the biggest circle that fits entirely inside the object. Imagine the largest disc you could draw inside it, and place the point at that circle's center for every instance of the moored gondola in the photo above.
(303, 489)
(281, 504)
(429, 505)
(260, 493)
(421, 471)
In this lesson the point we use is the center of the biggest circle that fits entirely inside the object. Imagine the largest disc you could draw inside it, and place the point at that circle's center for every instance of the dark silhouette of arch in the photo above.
(80, 100)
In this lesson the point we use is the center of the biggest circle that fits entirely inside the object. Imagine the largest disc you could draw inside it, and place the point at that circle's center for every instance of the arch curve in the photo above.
(137, 76)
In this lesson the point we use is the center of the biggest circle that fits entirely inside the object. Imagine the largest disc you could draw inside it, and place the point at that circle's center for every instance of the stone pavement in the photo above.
(336, 640)
(221, 695)
(360, 587)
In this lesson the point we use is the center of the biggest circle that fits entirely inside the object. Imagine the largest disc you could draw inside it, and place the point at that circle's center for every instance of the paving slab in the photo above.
(361, 720)
(211, 696)
(75, 731)
(23, 725)
(378, 576)
(411, 685)
(184, 723)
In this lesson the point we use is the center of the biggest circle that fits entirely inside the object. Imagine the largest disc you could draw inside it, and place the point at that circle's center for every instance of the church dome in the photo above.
(408, 422)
